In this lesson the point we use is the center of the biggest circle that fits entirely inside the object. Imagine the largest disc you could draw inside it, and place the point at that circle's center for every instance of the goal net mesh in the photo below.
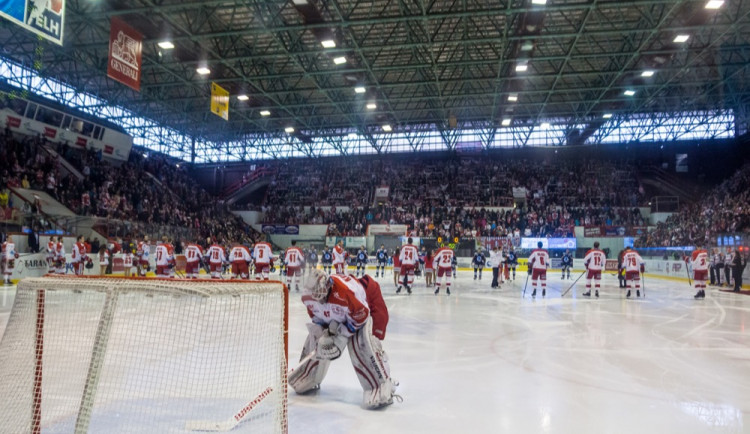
(143, 355)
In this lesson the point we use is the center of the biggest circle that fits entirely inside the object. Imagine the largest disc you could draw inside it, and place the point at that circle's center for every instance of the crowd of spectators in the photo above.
(455, 197)
(723, 210)
(146, 194)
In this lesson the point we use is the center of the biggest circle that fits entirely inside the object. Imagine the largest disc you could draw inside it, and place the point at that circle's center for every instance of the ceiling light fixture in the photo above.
(506, 122)
(166, 45)
(522, 67)
(607, 115)
(681, 38)
(629, 92)
(647, 73)
(371, 106)
(243, 97)
(360, 89)
(328, 43)
(265, 113)
(203, 70)
(387, 128)
(339, 60)
(714, 4)
(289, 130)
(513, 97)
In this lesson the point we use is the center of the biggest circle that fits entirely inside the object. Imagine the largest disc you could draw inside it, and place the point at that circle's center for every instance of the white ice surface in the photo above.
(489, 361)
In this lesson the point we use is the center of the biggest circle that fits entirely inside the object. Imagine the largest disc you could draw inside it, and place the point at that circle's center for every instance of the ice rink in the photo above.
(489, 361)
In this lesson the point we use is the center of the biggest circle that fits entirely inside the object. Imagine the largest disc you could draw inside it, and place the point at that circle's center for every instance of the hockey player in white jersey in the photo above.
(594, 261)
(538, 265)
(443, 263)
(294, 259)
(408, 258)
(633, 265)
(8, 256)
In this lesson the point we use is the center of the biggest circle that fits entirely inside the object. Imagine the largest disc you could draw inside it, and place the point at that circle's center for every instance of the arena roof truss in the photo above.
(401, 75)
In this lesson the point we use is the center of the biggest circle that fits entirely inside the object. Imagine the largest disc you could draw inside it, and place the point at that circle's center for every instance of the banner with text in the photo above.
(219, 101)
(125, 50)
(45, 18)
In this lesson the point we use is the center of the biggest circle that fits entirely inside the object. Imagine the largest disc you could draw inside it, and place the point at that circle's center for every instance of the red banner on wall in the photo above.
(125, 48)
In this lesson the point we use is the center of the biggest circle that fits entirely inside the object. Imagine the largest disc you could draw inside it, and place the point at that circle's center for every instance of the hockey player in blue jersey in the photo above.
(478, 262)
(382, 256)
(512, 261)
(327, 260)
(361, 260)
(312, 258)
(567, 263)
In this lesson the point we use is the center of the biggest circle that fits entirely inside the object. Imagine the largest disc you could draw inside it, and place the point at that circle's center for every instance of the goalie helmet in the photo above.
(317, 285)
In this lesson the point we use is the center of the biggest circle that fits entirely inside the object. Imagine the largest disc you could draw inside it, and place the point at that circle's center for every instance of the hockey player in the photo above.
(293, 258)
(60, 257)
(620, 268)
(361, 261)
(594, 261)
(422, 258)
(396, 268)
(454, 265)
(240, 258)
(408, 258)
(142, 254)
(538, 265)
(699, 261)
(632, 266)
(104, 260)
(339, 259)
(193, 258)
(8, 256)
(312, 259)
(340, 316)
(512, 261)
(51, 254)
(79, 256)
(382, 256)
(567, 263)
(217, 257)
(478, 262)
(263, 260)
(165, 262)
(443, 263)
(326, 260)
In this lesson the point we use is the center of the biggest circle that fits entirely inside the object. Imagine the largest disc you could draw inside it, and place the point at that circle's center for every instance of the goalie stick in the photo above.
(231, 423)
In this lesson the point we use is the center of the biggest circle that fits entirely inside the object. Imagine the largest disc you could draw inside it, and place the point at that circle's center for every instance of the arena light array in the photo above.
(647, 73)
(203, 70)
(360, 89)
(328, 43)
(387, 128)
(166, 45)
(243, 97)
(265, 113)
(714, 4)
(339, 60)
(681, 38)
(289, 130)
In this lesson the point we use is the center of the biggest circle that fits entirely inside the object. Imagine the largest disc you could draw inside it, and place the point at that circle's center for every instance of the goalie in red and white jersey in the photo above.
(240, 258)
(699, 261)
(78, 256)
(594, 261)
(164, 258)
(263, 256)
(294, 259)
(341, 316)
(193, 257)
(408, 258)
(217, 257)
(538, 265)
(339, 258)
(443, 263)
(633, 265)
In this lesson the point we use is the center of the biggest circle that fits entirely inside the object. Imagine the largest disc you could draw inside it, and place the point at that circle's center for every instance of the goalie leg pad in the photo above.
(371, 365)
(311, 373)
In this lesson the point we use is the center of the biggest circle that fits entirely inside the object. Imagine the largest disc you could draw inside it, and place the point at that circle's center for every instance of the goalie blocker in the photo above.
(338, 306)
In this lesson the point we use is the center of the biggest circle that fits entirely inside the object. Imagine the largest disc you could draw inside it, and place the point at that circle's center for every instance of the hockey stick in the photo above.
(687, 270)
(524, 286)
(231, 423)
(571, 286)
(643, 279)
(304, 360)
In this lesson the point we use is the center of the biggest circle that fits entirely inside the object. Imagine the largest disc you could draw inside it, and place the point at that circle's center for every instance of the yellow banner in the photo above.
(219, 101)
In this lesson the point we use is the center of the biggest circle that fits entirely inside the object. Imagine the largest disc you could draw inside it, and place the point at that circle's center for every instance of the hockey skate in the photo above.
(533, 294)
(408, 289)
(637, 292)
(586, 294)
(700, 295)
(437, 290)
(628, 294)
(597, 293)
(448, 291)
(398, 290)
(544, 292)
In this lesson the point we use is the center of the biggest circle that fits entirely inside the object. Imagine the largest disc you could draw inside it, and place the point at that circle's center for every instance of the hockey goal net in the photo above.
(144, 355)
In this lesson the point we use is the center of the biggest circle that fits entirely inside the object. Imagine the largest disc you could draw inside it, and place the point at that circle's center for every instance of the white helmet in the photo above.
(317, 285)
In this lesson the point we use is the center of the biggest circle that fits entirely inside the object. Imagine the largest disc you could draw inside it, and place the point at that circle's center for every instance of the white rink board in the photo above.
(488, 361)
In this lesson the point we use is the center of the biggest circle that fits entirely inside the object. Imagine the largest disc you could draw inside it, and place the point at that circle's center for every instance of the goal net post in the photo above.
(145, 355)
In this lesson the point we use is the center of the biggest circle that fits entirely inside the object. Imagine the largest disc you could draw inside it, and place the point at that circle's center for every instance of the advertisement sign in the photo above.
(280, 229)
(549, 243)
(386, 229)
(43, 17)
(219, 101)
(592, 231)
(125, 49)
(382, 192)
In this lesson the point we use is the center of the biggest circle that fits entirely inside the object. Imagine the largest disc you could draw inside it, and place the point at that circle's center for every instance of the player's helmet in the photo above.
(317, 285)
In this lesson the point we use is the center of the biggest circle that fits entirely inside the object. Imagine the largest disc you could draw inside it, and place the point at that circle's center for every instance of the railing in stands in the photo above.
(250, 178)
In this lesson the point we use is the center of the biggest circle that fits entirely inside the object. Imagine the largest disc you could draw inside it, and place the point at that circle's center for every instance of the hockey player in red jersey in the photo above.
(241, 259)
(263, 256)
(594, 261)
(341, 317)
(79, 256)
(699, 261)
(633, 266)
(294, 259)
(217, 257)
(538, 265)
(339, 258)
(443, 263)
(193, 257)
(408, 258)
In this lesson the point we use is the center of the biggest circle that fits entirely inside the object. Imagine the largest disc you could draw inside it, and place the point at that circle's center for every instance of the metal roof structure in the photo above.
(582, 68)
